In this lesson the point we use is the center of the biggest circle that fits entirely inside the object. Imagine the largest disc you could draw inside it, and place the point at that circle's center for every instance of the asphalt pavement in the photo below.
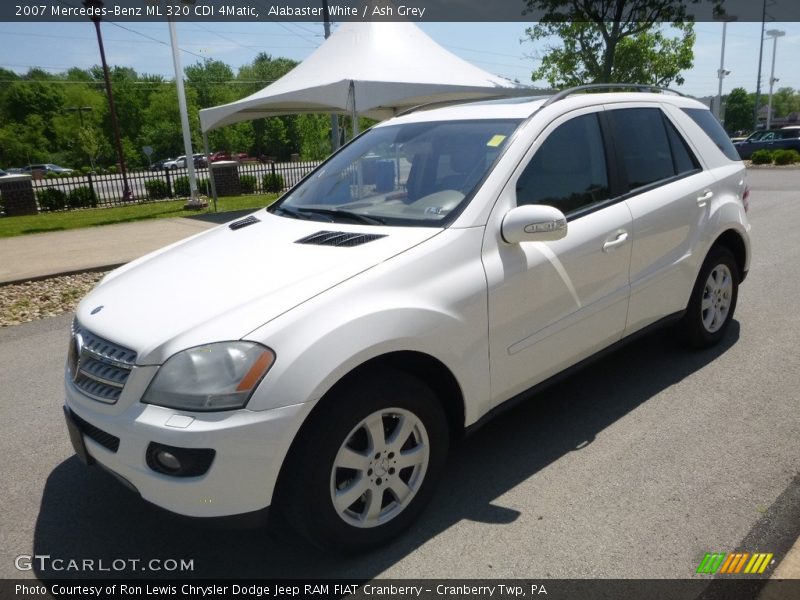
(633, 468)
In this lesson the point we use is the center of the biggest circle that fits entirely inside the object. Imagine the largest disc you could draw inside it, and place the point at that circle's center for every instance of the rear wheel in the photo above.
(366, 463)
(713, 302)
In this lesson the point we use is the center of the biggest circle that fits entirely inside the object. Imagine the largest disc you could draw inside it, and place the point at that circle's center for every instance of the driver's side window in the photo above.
(569, 169)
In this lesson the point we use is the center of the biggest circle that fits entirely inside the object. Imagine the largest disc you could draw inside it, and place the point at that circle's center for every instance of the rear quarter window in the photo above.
(709, 124)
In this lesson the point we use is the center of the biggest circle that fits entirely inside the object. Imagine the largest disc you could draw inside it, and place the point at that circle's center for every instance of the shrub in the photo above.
(85, 170)
(761, 157)
(785, 157)
(112, 170)
(272, 182)
(51, 199)
(50, 175)
(82, 197)
(248, 183)
(156, 189)
(182, 186)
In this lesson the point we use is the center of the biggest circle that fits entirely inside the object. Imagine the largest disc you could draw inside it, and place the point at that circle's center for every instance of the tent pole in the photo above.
(359, 171)
(334, 116)
(210, 170)
(355, 131)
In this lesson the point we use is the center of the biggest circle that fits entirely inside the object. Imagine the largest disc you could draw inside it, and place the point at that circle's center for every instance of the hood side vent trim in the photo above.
(243, 222)
(339, 238)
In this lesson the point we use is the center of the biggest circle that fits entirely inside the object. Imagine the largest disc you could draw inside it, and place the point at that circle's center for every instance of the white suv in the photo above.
(320, 355)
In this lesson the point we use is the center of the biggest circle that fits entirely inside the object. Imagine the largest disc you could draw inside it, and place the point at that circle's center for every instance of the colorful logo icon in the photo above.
(735, 563)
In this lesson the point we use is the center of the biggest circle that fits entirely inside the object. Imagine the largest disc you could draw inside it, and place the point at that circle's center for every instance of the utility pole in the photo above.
(774, 34)
(96, 6)
(334, 117)
(79, 110)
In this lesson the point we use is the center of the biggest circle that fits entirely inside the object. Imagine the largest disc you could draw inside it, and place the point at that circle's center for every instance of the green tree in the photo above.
(314, 134)
(614, 41)
(92, 143)
(739, 106)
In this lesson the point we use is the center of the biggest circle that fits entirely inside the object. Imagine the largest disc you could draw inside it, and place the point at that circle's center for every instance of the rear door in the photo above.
(669, 196)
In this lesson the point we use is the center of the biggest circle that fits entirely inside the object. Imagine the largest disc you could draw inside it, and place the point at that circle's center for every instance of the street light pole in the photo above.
(194, 201)
(721, 72)
(774, 34)
(760, 60)
(96, 6)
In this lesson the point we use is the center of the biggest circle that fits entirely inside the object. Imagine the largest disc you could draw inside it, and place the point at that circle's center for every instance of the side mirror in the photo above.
(533, 223)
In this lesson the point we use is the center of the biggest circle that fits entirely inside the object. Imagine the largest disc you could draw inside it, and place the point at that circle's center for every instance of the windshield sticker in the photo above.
(496, 141)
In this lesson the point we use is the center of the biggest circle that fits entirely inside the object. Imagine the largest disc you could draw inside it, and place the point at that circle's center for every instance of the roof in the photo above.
(524, 107)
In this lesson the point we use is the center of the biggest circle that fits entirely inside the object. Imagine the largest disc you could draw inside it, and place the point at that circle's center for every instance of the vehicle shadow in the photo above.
(86, 514)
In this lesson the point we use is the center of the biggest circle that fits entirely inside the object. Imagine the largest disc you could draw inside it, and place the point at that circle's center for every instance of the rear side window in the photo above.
(682, 157)
(714, 130)
(642, 144)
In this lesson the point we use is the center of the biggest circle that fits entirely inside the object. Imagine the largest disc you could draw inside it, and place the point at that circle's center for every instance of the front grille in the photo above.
(99, 368)
(339, 238)
(108, 441)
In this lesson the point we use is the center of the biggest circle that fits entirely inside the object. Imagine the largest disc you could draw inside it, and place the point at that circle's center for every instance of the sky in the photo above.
(494, 47)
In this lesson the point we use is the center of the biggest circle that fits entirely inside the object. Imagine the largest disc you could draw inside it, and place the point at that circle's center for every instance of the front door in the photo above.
(551, 304)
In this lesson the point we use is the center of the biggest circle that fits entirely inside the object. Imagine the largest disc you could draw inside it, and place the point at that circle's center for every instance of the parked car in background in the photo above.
(48, 168)
(220, 155)
(175, 163)
(787, 138)
(3, 173)
(159, 164)
(180, 162)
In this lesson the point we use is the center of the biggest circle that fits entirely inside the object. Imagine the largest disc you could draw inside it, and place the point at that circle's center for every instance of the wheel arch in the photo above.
(425, 367)
(733, 241)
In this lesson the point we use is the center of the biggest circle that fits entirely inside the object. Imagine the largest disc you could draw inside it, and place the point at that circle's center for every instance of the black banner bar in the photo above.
(364, 10)
(733, 588)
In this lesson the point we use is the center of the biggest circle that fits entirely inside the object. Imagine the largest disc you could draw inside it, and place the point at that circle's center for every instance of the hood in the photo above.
(224, 283)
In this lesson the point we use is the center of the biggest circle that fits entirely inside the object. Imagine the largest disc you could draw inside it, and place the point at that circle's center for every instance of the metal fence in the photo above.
(80, 191)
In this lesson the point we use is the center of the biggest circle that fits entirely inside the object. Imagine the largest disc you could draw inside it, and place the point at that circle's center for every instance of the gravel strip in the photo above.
(32, 300)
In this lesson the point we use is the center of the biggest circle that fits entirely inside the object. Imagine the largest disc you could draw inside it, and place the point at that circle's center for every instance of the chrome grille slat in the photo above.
(102, 368)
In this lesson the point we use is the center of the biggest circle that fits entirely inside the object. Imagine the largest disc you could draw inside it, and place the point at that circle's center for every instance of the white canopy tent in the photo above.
(369, 69)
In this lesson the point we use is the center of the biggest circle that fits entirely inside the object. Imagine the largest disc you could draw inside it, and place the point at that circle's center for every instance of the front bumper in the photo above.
(250, 448)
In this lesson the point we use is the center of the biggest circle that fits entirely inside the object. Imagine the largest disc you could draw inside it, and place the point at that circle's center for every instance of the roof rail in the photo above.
(639, 87)
(506, 93)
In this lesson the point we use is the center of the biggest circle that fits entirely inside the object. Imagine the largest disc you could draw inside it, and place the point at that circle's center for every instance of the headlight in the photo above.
(219, 376)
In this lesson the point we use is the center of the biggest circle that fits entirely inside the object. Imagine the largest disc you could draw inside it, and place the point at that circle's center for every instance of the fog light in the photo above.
(179, 462)
(168, 460)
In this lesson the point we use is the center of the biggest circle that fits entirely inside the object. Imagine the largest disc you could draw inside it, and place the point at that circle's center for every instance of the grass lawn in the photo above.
(74, 219)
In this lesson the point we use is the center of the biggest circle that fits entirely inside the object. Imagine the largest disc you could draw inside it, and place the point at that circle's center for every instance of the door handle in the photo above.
(618, 241)
(703, 200)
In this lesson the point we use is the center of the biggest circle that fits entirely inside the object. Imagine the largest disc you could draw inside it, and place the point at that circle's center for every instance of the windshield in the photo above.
(416, 174)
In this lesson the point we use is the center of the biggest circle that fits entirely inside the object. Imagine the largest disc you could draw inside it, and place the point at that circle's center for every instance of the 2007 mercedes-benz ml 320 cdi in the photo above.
(319, 356)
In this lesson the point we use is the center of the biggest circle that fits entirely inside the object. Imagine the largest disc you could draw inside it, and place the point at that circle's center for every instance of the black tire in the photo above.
(701, 326)
(305, 494)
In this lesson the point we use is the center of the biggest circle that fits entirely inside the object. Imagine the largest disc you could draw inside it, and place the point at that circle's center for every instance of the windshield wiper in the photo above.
(335, 212)
(292, 213)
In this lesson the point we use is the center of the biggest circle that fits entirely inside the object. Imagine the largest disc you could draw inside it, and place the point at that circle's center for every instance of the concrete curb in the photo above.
(62, 274)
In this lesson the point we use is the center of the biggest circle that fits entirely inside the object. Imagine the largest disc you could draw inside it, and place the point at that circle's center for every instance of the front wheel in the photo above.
(365, 463)
(711, 307)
